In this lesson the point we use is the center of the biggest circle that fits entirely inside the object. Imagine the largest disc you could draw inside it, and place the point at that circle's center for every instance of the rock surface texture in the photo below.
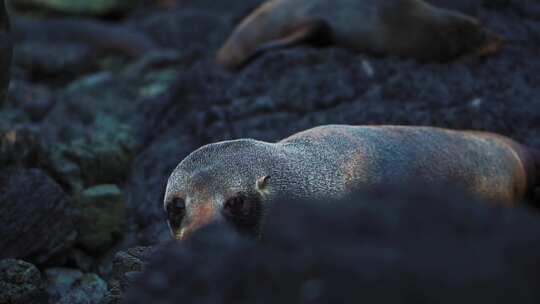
(37, 218)
(21, 283)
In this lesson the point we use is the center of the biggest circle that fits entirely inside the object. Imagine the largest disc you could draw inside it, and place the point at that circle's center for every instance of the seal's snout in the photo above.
(201, 216)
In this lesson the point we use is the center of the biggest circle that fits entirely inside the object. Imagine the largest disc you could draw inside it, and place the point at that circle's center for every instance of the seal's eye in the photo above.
(235, 206)
(176, 206)
(244, 212)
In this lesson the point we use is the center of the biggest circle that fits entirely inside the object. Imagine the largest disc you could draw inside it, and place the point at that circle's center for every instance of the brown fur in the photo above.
(408, 28)
(333, 160)
(200, 216)
(522, 162)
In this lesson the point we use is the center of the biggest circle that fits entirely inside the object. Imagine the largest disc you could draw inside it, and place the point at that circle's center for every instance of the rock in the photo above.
(78, 36)
(6, 49)
(70, 286)
(76, 7)
(21, 283)
(159, 70)
(125, 265)
(100, 157)
(37, 218)
(21, 147)
(42, 60)
(84, 261)
(102, 217)
(173, 28)
(35, 100)
(389, 246)
(60, 281)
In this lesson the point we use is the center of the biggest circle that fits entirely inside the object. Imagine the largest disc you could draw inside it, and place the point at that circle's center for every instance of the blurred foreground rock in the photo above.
(21, 283)
(37, 218)
(386, 247)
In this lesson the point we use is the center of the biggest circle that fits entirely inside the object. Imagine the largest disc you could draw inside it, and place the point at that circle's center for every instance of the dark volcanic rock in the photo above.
(37, 219)
(35, 100)
(70, 286)
(101, 37)
(102, 218)
(126, 265)
(176, 29)
(21, 283)
(387, 247)
(42, 60)
(21, 147)
(6, 49)
(75, 7)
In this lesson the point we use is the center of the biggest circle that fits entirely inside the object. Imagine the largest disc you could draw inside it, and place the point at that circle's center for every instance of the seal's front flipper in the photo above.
(311, 31)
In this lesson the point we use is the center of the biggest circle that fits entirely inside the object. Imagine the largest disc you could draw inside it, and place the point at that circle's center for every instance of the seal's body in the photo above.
(233, 179)
(6, 47)
(407, 28)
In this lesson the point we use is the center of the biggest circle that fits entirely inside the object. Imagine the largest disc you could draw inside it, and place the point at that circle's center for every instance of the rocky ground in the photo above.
(400, 246)
(89, 135)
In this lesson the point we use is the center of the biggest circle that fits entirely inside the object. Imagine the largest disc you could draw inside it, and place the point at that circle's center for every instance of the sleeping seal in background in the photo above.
(406, 28)
(6, 48)
(234, 180)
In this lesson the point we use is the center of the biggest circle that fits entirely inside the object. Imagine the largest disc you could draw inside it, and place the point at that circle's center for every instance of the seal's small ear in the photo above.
(262, 184)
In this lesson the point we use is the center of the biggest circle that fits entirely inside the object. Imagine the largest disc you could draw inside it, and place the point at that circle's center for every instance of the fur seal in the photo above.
(406, 28)
(6, 48)
(232, 180)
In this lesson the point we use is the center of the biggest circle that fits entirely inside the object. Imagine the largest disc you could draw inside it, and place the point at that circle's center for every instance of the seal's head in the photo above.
(468, 35)
(455, 34)
(419, 30)
(225, 181)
